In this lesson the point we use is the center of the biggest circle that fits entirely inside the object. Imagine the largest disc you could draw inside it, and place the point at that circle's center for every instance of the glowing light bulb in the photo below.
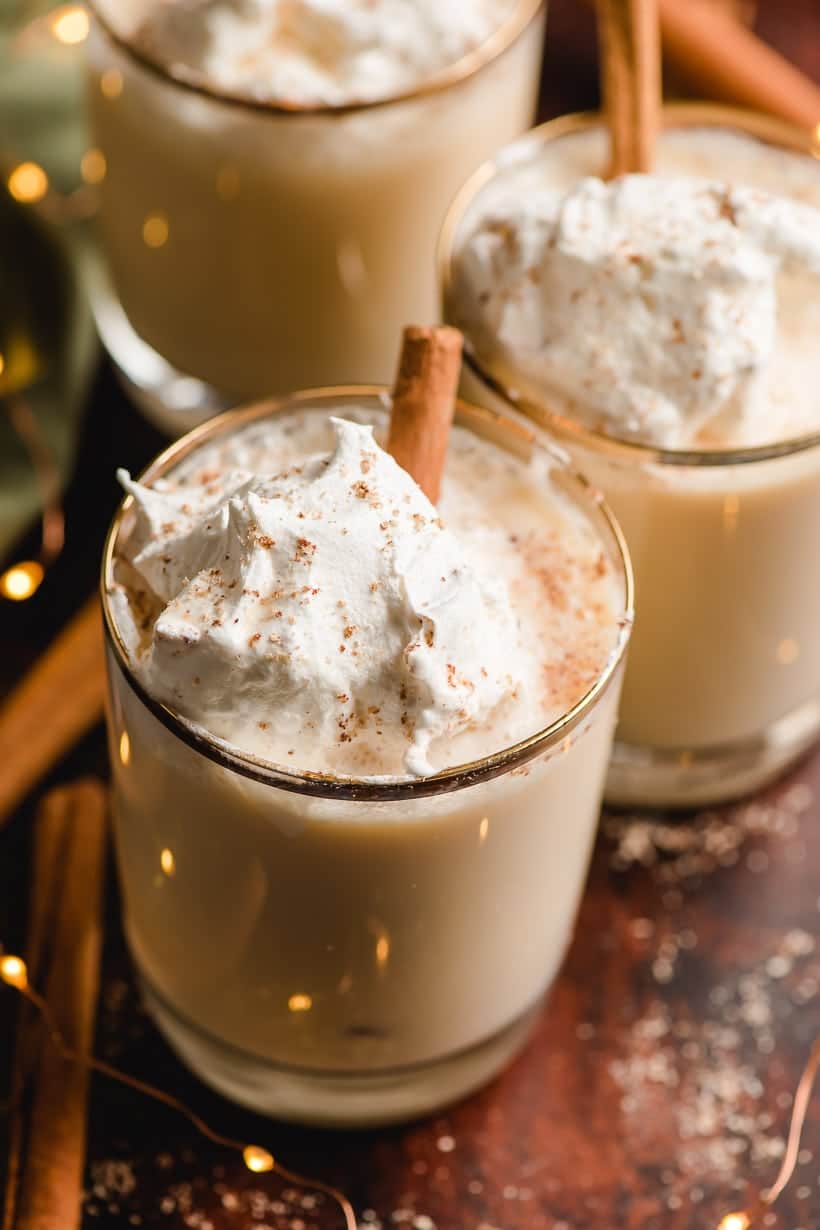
(382, 951)
(28, 183)
(70, 24)
(735, 1221)
(300, 1003)
(2, 364)
(167, 862)
(21, 580)
(257, 1159)
(14, 973)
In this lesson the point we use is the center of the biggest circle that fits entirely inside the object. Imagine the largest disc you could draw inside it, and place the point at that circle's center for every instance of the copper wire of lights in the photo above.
(13, 973)
(21, 580)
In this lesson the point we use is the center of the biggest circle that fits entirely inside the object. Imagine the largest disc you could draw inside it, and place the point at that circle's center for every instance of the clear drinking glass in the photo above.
(251, 249)
(722, 691)
(345, 951)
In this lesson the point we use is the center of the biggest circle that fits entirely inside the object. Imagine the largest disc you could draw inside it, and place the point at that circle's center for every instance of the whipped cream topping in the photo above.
(667, 310)
(291, 590)
(328, 598)
(309, 52)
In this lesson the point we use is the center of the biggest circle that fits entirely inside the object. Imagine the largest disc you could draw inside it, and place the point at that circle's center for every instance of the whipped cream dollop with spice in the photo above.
(308, 52)
(665, 310)
(324, 604)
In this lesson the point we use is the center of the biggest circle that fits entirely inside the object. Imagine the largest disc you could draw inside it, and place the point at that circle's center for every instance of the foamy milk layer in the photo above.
(673, 309)
(308, 52)
(292, 590)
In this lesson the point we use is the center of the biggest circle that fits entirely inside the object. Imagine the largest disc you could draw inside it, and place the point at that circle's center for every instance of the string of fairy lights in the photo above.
(14, 973)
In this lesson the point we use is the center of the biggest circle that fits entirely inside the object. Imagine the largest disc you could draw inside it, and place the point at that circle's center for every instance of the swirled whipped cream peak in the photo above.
(291, 590)
(326, 602)
(309, 52)
(665, 310)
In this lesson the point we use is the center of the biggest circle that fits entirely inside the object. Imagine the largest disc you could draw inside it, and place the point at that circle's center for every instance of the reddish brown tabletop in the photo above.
(657, 1089)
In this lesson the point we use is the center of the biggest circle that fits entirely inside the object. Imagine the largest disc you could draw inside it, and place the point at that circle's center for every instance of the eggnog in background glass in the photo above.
(277, 233)
(359, 949)
(723, 685)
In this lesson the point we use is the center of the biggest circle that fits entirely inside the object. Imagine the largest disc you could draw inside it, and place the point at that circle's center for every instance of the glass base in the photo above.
(171, 400)
(336, 1099)
(683, 777)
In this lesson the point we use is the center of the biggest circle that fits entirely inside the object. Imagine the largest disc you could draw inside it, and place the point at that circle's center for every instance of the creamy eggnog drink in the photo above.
(277, 172)
(666, 328)
(359, 744)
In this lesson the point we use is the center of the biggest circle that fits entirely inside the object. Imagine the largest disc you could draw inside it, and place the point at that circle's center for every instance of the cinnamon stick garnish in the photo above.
(724, 60)
(424, 401)
(71, 862)
(630, 81)
(60, 699)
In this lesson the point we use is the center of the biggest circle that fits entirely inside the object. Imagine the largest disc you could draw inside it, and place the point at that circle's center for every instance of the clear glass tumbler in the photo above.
(252, 249)
(344, 951)
(722, 691)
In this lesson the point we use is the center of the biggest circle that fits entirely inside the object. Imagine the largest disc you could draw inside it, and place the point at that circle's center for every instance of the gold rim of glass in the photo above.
(764, 128)
(502, 38)
(382, 789)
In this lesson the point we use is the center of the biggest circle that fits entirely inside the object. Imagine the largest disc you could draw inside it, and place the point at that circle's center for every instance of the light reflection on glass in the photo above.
(300, 1003)
(93, 166)
(111, 83)
(155, 230)
(731, 513)
(227, 182)
(125, 748)
(351, 267)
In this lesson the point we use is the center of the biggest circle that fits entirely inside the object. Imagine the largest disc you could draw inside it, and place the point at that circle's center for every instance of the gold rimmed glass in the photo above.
(341, 920)
(723, 686)
(254, 248)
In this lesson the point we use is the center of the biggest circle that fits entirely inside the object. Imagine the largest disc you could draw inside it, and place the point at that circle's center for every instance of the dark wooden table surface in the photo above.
(657, 1090)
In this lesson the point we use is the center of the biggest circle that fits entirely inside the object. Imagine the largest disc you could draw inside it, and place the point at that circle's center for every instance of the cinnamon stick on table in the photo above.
(59, 700)
(630, 81)
(48, 851)
(424, 401)
(719, 56)
(67, 896)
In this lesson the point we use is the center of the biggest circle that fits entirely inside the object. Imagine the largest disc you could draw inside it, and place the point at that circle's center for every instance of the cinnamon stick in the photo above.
(424, 401)
(49, 846)
(60, 699)
(724, 60)
(630, 81)
(72, 820)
